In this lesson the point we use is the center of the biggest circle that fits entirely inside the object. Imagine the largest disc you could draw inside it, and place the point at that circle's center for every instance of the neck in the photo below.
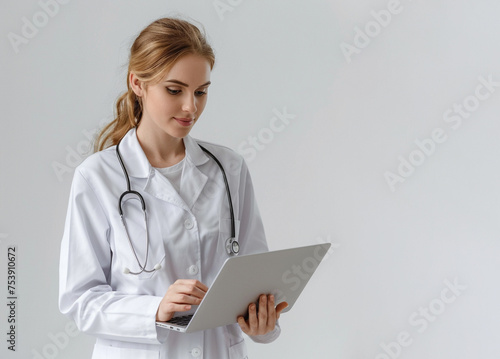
(161, 149)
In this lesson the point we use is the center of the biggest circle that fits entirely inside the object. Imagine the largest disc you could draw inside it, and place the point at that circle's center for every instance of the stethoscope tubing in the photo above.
(231, 212)
(232, 247)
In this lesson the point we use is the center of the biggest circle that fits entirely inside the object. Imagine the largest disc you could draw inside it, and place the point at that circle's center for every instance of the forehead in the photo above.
(193, 70)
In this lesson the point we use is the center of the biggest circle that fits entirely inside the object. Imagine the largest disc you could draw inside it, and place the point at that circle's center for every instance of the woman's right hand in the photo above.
(179, 298)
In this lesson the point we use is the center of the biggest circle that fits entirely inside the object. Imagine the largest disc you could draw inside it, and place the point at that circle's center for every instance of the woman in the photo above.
(118, 278)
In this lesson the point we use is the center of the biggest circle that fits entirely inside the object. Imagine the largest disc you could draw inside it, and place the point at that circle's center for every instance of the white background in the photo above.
(322, 177)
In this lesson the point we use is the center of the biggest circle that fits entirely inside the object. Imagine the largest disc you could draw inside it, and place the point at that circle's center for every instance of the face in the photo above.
(175, 104)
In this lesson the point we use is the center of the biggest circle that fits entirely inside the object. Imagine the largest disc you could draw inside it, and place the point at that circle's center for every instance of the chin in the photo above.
(179, 133)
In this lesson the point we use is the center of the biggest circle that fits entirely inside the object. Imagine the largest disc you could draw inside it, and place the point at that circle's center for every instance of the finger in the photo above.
(180, 298)
(191, 283)
(252, 318)
(189, 289)
(262, 314)
(243, 325)
(201, 286)
(271, 312)
(197, 284)
(279, 308)
(195, 293)
(178, 307)
(166, 312)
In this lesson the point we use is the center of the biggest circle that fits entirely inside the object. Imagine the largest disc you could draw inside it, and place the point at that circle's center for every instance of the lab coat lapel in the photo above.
(138, 166)
(133, 156)
(159, 187)
(192, 183)
(193, 180)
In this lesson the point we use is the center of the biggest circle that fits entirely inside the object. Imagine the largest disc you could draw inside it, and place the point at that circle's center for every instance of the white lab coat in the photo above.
(187, 235)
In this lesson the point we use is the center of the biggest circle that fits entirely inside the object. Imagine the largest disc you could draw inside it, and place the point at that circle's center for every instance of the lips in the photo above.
(184, 121)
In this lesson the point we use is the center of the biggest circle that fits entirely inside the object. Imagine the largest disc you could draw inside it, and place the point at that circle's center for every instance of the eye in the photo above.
(200, 93)
(172, 91)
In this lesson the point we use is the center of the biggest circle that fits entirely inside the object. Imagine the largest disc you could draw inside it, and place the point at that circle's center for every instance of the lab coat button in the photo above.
(196, 352)
(188, 224)
(193, 270)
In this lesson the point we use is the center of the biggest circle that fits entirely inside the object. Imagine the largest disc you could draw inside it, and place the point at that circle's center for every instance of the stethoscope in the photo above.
(232, 245)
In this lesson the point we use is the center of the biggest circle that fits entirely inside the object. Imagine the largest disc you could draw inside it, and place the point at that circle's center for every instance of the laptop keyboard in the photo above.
(182, 321)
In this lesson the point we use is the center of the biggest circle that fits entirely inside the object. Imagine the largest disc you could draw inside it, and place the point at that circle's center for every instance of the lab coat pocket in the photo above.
(131, 242)
(109, 352)
(238, 351)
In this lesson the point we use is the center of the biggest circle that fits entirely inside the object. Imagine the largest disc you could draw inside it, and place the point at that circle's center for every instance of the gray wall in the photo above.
(387, 147)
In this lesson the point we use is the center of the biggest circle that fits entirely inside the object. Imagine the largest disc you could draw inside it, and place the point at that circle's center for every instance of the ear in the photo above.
(136, 85)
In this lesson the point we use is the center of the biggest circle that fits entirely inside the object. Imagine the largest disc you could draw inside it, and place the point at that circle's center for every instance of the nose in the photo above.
(189, 104)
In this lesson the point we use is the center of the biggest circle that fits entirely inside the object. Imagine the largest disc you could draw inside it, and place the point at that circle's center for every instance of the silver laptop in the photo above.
(242, 279)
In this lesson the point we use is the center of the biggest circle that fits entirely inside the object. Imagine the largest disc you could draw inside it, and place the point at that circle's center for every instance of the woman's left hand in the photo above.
(264, 321)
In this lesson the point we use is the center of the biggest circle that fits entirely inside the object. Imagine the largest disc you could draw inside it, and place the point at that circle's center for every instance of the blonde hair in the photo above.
(152, 54)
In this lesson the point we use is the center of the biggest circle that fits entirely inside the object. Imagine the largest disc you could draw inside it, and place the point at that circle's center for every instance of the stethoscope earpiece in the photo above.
(155, 268)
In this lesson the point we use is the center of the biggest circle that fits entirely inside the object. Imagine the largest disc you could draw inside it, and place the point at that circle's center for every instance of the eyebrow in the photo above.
(186, 85)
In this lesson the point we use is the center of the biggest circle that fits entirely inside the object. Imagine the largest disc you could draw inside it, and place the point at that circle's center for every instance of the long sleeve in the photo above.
(84, 291)
(269, 337)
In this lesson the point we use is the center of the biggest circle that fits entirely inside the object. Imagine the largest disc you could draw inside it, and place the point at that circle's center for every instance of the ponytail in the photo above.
(128, 115)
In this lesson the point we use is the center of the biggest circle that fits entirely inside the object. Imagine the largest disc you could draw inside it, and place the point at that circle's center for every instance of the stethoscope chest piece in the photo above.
(232, 247)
